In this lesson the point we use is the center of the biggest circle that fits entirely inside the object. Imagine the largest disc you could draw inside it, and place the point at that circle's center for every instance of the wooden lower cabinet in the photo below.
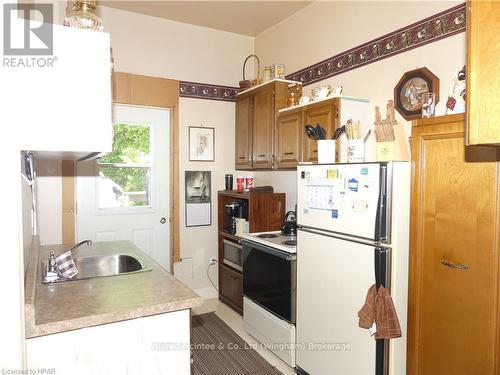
(231, 287)
(454, 253)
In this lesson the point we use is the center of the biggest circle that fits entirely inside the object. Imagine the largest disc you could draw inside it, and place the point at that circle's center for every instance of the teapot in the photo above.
(290, 226)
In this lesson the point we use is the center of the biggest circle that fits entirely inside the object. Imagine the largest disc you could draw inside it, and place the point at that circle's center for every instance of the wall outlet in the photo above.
(212, 260)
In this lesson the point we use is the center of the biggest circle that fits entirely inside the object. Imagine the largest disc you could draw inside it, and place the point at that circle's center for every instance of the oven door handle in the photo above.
(247, 246)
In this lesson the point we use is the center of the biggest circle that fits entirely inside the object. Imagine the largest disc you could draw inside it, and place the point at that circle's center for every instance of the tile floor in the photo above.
(235, 321)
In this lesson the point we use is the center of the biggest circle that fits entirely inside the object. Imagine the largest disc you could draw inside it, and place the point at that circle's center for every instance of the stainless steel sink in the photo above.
(102, 266)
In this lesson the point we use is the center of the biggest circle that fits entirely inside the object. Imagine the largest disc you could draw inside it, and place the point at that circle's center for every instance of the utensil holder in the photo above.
(326, 151)
(355, 151)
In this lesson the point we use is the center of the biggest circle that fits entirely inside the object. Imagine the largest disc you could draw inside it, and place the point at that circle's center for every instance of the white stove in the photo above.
(274, 239)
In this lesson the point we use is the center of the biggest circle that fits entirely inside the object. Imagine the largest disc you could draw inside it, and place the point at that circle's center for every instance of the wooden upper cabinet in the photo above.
(289, 132)
(326, 114)
(256, 111)
(243, 133)
(454, 252)
(483, 73)
(263, 123)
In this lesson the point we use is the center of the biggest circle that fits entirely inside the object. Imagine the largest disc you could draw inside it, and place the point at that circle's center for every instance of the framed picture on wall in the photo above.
(410, 90)
(201, 143)
(198, 198)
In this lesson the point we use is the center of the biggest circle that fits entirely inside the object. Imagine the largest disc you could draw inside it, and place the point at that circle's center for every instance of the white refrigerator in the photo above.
(353, 232)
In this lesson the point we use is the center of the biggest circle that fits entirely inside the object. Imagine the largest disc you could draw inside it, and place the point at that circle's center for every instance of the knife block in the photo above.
(399, 149)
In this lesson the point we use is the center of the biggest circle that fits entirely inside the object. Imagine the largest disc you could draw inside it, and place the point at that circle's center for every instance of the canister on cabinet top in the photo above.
(228, 181)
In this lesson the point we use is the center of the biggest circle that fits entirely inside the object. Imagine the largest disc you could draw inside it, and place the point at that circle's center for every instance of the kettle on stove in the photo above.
(290, 226)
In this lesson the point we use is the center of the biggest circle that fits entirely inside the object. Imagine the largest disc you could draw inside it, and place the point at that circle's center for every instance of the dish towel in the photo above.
(66, 265)
(379, 309)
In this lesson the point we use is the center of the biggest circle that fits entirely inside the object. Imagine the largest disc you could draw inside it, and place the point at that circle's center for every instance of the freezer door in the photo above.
(344, 198)
(333, 277)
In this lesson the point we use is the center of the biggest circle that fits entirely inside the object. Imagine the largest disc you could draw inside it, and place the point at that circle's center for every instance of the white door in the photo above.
(125, 194)
(333, 277)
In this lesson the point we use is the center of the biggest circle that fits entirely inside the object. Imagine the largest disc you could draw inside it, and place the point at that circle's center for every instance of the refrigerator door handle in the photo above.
(381, 221)
(382, 271)
(381, 267)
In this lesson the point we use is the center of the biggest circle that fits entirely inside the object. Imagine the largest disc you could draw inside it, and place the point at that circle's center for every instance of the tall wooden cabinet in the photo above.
(262, 127)
(266, 212)
(483, 74)
(454, 309)
(243, 131)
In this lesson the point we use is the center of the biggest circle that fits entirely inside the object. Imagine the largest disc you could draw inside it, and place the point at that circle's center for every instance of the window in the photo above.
(125, 174)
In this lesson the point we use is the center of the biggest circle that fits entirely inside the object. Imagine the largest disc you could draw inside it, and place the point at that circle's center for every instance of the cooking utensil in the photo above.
(339, 132)
(353, 130)
(311, 132)
(320, 132)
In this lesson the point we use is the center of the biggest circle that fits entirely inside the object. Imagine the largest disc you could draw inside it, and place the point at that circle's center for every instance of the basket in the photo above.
(247, 83)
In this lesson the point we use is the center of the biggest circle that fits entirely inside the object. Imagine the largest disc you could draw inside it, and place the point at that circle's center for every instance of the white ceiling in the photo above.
(241, 17)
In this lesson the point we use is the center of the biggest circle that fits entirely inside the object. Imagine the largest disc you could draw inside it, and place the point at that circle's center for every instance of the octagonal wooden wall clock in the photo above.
(409, 90)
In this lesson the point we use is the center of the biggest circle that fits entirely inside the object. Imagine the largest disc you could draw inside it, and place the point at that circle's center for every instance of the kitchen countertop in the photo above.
(53, 308)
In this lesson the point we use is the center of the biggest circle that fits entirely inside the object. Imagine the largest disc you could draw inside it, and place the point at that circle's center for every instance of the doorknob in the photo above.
(163, 220)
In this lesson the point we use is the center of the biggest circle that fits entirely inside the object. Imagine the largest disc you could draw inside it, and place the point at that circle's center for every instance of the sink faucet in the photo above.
(51, 273)
(84, 242)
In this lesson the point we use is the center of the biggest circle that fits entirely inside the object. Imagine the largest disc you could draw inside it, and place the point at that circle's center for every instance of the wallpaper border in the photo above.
(432, 29)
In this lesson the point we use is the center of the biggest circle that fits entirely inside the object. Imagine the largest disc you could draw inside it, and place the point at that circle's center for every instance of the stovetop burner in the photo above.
(274, 239)
(267, 235)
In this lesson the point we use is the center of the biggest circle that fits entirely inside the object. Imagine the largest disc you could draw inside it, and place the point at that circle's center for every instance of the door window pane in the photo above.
(125, 174)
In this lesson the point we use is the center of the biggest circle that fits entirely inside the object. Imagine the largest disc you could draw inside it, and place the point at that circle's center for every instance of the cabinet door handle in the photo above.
(261, 156)
(288, 153)
(458, 266)
(315, 151)
(242, 157)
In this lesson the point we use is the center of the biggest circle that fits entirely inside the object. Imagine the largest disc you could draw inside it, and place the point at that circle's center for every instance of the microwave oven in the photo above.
(233, 253)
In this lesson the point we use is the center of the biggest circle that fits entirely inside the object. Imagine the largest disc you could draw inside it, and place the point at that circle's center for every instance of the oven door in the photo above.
(269, 279)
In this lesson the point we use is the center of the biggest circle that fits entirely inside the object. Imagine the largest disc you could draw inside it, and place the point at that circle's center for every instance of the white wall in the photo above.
(156, 47)
(200, 243)
(326, 28)
(164, 48)
(49, 204)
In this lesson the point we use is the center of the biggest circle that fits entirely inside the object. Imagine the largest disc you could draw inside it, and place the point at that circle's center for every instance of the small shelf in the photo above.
(234, 194)
(223, 233)
(267, 83)
(312, 102)
(245, 194)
